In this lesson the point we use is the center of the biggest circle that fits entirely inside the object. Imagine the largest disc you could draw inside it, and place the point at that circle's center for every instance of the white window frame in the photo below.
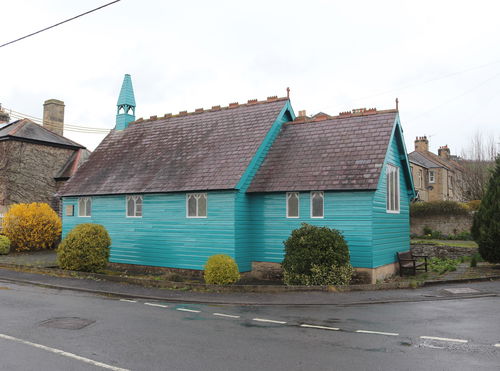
(197, 197)
(432, 176)
(86, 209)
(420, 178)
(135, 198)
(311, 204)
(393, 201)
(288, 195)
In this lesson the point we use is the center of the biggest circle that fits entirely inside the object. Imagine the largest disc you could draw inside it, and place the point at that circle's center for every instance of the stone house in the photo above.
(435, 177)
(36, 160)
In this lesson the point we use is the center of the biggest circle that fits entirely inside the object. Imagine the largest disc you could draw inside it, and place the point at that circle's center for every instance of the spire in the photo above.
(125, 112)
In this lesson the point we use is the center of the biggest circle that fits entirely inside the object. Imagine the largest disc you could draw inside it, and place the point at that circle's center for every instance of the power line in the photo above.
(411, 85)
(68, 127)
(60, 23)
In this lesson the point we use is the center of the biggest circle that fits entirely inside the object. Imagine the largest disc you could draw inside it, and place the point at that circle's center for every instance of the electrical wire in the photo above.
(68, 127)
(58, 24)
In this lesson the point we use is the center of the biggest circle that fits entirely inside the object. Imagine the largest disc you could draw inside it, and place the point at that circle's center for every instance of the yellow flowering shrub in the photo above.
(32, 226)
(221, 270)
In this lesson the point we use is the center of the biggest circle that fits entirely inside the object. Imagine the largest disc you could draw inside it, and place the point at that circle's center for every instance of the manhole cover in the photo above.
(462, 290)
(67, 323)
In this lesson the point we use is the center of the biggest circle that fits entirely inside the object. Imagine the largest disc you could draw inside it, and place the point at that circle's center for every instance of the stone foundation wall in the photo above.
(445, 224)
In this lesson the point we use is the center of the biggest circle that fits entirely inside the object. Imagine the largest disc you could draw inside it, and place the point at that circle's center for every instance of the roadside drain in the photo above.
(67, 323)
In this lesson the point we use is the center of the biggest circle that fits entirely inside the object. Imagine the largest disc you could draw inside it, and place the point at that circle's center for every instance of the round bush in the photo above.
(85, 248)
(221, 270)
(32, 226)
(316, 256)
(4, 245)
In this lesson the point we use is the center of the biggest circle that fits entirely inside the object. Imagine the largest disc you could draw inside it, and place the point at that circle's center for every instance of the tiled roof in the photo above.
(421, 160)
(73, 163)
(204, 150)
(430, 158)
(27, 130)
(340, 153)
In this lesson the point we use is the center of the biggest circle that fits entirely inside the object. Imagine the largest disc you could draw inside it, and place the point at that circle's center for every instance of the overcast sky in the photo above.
(440, 58)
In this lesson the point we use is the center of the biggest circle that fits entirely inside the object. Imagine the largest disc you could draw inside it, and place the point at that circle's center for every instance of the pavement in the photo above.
(124, 290)
(16, 268)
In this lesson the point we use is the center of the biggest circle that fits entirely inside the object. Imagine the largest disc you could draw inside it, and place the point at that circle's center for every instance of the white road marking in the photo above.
(377, 332)
(63, 353)
(129, 301)
(156, 305)
(188, 310)
(444, 339)
(320, 327)
(497, 345)
(268, 320)
(225, 315)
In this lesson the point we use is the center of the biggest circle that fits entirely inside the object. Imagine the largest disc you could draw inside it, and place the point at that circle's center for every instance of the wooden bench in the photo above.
(408, 261)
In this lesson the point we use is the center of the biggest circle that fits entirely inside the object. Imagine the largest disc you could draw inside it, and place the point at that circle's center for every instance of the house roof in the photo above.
(73, 163)
(336, 153)
(431, 160)
(27, 130)
(421, 160)
(203, 150)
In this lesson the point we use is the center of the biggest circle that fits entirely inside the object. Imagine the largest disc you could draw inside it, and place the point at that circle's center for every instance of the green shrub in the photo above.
(31, 226)
(474, 205)
(427, 231)
(221, 270)
(473, 262)
(442, 266)
(438, 208)
(486, 225)
(316, 256)
(85, 248)
(4, 245)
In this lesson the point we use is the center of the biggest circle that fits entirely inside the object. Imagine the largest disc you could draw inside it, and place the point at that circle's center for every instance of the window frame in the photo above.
(135, 198)
(432, 178)
(197, 198)
(390, 198)
(86, 200)
(311, 196)
(288, 196)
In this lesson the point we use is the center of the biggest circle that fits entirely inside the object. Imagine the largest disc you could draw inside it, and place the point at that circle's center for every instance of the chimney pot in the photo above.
(302, 113)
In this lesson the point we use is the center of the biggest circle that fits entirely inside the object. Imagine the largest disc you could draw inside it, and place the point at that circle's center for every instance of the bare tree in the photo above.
(477, 159)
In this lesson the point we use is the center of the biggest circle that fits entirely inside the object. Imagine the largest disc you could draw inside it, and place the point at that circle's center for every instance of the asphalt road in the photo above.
(130, 334)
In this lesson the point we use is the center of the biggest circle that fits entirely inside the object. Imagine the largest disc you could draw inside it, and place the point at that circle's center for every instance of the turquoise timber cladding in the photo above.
(164, 236)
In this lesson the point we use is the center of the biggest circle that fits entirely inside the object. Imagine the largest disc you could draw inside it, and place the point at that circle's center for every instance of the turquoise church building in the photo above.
(173, 190)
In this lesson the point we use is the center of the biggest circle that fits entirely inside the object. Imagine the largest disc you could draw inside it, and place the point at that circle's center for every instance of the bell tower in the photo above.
(125, 108)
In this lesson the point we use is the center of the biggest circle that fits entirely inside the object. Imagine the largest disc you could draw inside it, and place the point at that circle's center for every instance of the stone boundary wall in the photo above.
(442, 252)
(446, 224)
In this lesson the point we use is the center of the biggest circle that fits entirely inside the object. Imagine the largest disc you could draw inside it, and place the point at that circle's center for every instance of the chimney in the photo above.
(444, 152)
(53, 116)
(4, 116)
(421, 144)
(302, 113)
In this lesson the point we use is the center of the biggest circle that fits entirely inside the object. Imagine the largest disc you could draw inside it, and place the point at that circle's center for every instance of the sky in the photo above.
(441, 59)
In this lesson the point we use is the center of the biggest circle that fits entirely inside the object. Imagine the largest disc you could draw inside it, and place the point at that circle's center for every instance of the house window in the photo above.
(292, 204)
(420, 177)
(392, 180)
(84, 206)
(70, 210)
(432, 176)
(196, 205)
(134, 206)
(317, 201)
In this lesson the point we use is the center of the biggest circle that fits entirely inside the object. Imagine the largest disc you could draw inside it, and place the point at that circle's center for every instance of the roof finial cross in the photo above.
(288, 93)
